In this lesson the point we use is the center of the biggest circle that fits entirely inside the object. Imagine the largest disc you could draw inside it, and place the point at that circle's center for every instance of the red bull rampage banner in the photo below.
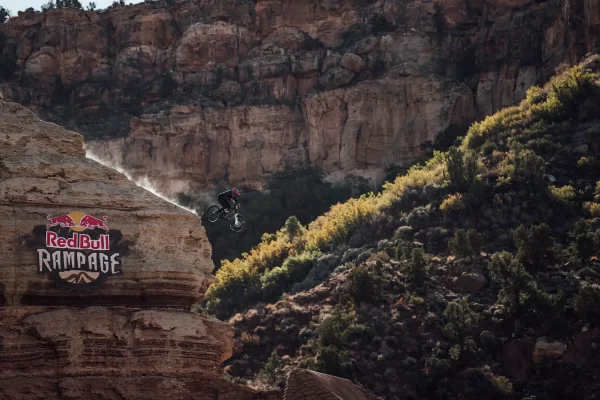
(77, 251)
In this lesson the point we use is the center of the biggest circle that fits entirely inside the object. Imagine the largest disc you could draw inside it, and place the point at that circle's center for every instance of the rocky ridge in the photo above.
(192, 93)
(131, 337)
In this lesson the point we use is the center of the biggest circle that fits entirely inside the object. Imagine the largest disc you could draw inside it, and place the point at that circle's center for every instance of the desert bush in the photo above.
(465, 243)
(335, 225)
(331, 360)
(198, 309)
(584, 239)
(280, 279)
(453, 204)
(488, 148)
(545, 312)
(535, 245)
(512, 280)
(365, 285)
(461, 319)
(534, 95)
(462, 168)
(587, 303)
(356, 331)
(562, 194)
(272, 371)
(437, 367)
(594, 210)
(567, 93)
(492, 126)
(416, 269)
(523, 166)
(318, 273)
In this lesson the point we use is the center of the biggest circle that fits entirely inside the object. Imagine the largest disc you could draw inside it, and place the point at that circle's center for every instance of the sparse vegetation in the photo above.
(465, 243)
(365, 285)
(461, 319)
(4, 14)
(587, 303)
(453, 204)
(515, 203)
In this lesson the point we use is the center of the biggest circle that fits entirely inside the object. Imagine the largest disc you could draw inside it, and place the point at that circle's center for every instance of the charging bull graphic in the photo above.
(77, 250)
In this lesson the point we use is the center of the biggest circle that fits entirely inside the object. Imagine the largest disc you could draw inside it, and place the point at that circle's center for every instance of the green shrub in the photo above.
(356, 331)
(365, 285)
(535, 245)
(272, 371)
(330, 332)
(453, 204)
(280, 279)
(594, 210)
(584, 239)
(492, 126)
(587, 303)
(534, 95)
(567, 93)
(198, 309)
(488, 148)
(523, 166)
(437, 367)
(417, 266)
(513, 281)
(545, 312)
(461, 319)
(465, 243)
(461, 168)
(562, 194)
(475, 240)
(330, 360)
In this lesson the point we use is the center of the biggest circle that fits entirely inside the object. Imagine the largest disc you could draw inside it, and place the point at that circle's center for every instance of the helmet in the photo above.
(236, 192)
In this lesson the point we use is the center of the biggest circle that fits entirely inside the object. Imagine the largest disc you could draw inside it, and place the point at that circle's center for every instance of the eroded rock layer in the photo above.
(130, 337)
(192, 93)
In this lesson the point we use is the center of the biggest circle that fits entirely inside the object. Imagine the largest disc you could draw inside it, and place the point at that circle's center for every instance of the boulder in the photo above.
(336, 77)
(353, 62)
(515, 358)
(544, 350)
(470, 282)
(580, 150)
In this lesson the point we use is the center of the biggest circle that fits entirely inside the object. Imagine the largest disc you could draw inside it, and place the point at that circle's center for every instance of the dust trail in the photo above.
(143, 182)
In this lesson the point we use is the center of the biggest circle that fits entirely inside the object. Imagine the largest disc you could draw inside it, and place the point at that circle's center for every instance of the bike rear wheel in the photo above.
(212, 213)
(241, 224)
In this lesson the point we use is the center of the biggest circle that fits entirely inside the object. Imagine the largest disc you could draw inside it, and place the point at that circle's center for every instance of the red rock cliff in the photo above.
(195, 92)
(130, 337)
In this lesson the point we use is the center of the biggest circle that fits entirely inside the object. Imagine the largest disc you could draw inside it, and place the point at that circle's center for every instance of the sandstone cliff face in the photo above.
(202, 91)
(131, 337)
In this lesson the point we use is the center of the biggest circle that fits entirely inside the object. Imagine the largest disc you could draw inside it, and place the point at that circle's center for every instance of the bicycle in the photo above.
(214, 213)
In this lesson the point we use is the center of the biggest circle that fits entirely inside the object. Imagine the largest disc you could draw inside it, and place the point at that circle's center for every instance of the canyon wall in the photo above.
(191, 93)
(113, 321)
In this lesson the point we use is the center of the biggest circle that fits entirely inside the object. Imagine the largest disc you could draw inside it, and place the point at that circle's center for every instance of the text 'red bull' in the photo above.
(79, 241)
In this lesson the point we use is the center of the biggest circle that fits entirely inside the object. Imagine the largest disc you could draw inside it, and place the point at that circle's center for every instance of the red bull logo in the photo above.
(77, 250)
(86, 221)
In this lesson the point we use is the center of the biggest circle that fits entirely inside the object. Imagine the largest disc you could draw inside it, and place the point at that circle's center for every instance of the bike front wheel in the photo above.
(241, 225)
(212, 213)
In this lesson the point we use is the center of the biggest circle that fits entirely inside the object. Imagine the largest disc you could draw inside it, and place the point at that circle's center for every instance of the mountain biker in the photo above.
(229, 199)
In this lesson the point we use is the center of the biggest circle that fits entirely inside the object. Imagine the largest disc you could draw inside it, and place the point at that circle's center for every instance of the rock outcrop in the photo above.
(190, 93)
(129, 334)
(303, 384)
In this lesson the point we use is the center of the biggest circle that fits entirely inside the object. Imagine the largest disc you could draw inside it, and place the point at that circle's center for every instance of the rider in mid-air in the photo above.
(229, 199)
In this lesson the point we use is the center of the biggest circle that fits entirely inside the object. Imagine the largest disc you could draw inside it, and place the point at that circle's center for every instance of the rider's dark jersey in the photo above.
(228, 195)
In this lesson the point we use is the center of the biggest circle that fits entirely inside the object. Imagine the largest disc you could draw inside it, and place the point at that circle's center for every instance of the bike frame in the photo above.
(228, 215)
